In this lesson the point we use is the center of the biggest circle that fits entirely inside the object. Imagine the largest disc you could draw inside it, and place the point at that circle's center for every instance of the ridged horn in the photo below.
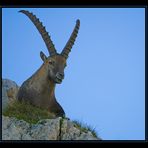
(71, 40)
(42, 31)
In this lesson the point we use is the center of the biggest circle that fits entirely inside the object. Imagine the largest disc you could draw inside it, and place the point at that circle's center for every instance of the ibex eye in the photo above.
(51, 62)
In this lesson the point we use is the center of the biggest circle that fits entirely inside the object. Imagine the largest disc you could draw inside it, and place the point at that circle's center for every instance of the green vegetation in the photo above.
(31, 114)
(26, 112)
(85, 128)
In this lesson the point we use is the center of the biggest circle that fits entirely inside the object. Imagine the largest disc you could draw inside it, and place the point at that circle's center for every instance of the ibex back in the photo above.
(39, 89)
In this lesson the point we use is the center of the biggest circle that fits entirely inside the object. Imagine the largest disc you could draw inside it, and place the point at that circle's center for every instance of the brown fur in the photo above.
(39, 89)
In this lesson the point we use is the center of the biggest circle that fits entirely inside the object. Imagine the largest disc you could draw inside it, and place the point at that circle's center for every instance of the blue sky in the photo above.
(104, 83)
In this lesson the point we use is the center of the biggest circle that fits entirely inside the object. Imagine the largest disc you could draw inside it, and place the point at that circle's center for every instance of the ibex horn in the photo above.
(42, 31)
(71, 40)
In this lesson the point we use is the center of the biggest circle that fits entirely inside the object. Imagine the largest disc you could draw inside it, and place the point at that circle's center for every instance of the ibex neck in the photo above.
(40, 81)
(52, 89)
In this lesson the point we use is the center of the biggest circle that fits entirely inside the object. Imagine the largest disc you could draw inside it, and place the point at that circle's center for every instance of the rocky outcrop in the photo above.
(69, 131)
(4, 99)
(47, 129)
(9, 92)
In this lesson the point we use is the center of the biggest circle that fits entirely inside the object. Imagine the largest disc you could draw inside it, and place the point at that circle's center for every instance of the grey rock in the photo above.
(8, 84)
(10, 130)
(47, 129)
(69, 131)
(4, 99)
(9, 92)
(86, 136)
(13, 129)
(11, 88)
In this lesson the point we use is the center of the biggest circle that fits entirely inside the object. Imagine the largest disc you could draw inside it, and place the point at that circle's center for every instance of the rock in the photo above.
(47, 129)
(70, 132)
(9, 92)
(6, 83)
(86, 136)
(4, 99)
(13, 129)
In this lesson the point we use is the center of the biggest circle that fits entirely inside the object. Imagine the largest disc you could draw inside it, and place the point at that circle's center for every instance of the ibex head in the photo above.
(55, 63)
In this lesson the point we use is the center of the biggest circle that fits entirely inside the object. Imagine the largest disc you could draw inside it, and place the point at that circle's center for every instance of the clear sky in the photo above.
(104, 83)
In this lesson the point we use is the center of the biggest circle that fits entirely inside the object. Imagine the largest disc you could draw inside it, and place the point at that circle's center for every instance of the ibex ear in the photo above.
(43, 56)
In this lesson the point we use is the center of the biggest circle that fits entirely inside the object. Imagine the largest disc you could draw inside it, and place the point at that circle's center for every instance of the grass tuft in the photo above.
(27, 112)
(85, 128)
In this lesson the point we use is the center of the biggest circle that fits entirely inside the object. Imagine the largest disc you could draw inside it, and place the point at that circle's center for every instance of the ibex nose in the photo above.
(60, 75)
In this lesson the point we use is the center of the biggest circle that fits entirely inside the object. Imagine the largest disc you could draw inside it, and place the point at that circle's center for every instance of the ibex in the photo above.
(39, 89)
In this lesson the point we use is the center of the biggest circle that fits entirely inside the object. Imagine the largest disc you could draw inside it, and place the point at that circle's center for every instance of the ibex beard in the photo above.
(39, 89)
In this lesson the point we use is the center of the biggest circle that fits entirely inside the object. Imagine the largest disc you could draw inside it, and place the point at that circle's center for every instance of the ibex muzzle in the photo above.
(39, 89)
